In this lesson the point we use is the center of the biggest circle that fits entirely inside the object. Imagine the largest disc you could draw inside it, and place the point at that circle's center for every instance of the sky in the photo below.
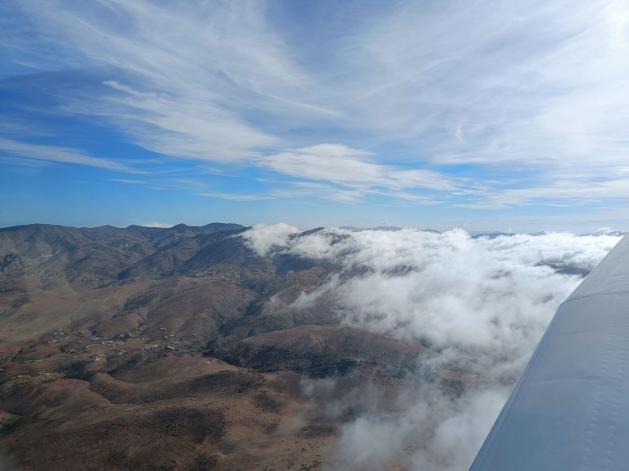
(486, 115)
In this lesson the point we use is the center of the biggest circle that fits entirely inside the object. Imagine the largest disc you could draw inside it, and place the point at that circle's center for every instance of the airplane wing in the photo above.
(570, 408)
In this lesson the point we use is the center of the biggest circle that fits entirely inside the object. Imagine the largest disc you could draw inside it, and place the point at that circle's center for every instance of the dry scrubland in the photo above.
(172, 348)
(220, 347)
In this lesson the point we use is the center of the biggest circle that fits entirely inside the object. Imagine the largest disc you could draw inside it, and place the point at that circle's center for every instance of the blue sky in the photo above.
(487, 115)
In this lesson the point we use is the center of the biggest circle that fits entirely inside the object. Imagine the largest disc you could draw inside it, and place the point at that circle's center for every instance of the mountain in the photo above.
(172, 348)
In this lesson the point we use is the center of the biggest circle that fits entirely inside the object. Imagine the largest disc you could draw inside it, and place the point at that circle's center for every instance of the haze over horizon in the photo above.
(490, 116)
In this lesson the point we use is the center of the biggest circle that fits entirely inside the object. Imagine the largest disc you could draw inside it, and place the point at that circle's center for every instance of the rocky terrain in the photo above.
(177, 348)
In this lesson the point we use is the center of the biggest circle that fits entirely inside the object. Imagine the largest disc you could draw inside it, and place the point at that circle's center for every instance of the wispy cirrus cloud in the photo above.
(326, 191)
(181, 80)
(536, 83)
(354, 170)
(128, 181)
(59, 154)
(414, 93)
(560, 193)
(235, 196)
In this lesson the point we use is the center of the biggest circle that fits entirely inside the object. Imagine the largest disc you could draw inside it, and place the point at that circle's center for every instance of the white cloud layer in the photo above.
(160, 225)
(265, 237)
(480, 303)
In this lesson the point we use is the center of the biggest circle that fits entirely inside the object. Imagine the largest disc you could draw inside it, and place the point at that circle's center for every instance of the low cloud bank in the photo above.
(263, 238)
(480, 304)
